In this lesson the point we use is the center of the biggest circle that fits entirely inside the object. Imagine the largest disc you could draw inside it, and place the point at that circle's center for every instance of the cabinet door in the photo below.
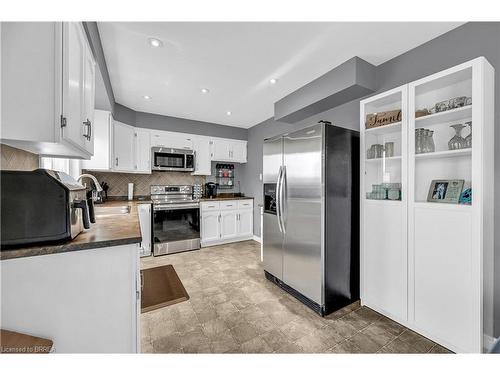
(239, 152)
(89, 100)
(245, 222)
(123, 147)
(201, 146)
(73, 83)
(221, 149)
(210, 228)
(142, 151)
(171, 139)
(229, 224)
(101, 129)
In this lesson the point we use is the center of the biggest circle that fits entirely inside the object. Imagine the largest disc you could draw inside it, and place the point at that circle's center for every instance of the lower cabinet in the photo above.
(226, 221)
(210, 226)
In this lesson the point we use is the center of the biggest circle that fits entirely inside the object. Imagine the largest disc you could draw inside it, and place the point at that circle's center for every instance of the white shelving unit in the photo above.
(383, 222)
(440, 254)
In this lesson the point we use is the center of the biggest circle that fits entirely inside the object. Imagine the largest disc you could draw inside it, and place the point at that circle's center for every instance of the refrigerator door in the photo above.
(272, 235)
(303, 215)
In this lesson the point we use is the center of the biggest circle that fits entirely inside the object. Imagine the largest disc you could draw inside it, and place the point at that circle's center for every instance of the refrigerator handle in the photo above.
(278, 199)
(283, 199)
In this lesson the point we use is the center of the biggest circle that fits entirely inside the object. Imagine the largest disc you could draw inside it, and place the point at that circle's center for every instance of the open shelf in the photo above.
(442, 206)
(380, 159)
(451, 115)
(445, 154)
(391, 128)
(383, 202)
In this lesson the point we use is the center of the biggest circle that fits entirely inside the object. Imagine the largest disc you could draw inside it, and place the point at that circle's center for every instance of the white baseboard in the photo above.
(257, 238)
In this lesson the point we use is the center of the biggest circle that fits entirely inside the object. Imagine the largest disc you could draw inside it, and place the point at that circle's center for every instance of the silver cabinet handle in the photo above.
(88, 124)
(116, 162)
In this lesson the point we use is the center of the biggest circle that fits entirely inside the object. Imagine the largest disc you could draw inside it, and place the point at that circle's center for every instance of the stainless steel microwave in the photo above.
(172, 159)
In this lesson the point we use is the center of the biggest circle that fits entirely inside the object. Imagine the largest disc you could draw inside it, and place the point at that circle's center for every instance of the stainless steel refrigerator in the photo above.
(311, 215)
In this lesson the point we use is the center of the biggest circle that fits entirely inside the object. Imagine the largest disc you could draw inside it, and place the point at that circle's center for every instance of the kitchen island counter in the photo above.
(107, 231)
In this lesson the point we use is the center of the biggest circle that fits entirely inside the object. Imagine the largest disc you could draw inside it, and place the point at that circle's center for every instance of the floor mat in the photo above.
(160, 287)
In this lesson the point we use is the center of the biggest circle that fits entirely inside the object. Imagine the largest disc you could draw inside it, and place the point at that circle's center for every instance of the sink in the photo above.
(113, 210)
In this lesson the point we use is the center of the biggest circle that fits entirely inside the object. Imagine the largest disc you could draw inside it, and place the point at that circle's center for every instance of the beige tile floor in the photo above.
(233, 308)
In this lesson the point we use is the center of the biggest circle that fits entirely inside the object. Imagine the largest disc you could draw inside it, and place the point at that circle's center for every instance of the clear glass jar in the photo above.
(457, 142)
(468, 139)
(419, 140)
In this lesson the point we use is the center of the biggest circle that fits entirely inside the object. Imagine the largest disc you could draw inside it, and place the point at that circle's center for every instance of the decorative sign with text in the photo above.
(374, 120)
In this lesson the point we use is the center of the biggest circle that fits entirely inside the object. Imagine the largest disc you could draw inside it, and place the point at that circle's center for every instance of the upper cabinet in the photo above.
(202, 159)
(48, 71)
(230, 150)
(142, 145)
(160, 138)
(102, 160)
(123, 147)
(119, 147)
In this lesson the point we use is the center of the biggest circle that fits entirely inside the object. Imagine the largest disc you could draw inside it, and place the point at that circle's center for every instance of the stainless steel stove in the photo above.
(176, 219)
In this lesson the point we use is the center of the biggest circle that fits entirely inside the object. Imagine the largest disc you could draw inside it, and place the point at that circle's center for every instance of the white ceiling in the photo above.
(235, 61)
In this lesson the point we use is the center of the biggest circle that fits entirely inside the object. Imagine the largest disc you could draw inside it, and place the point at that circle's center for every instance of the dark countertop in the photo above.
(107, 231)
(223, 199)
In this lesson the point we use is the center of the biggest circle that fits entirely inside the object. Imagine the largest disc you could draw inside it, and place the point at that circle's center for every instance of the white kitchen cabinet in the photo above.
(160, 138)
(85, 301)
(102, 160)
(229, 224)
(429, 264)
(239, 151)
(210, 226)
(221, 149)
(123, 147)
(226, 221)
(89, 99)
(49, 68)
(229, 150)
(142, 150)
(201, 147)
(245, 222)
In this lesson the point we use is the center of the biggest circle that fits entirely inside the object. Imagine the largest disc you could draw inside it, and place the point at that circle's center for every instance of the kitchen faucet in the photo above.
(96, 183)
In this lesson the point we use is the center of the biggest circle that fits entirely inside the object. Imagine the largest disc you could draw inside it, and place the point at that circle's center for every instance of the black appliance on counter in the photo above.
(211, 190)
(42, 206)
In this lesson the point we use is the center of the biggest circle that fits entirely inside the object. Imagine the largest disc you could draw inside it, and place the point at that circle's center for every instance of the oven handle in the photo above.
(181, 206)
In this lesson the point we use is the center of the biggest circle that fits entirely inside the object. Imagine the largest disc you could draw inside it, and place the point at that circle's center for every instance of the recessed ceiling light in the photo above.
(205, 91)
(228, 113)
(147, 97)
(273, 81)
(153, 42)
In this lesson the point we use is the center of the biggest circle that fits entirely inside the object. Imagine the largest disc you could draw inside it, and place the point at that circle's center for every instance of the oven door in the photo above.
(169, 159)
(176, 228)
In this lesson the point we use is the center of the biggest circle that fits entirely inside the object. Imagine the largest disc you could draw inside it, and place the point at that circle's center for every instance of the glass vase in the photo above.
(457, 142)
(468, 139)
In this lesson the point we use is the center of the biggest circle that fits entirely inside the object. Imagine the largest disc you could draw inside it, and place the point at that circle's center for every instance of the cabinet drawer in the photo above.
(228, 205)
(210, 206)
(245, 203)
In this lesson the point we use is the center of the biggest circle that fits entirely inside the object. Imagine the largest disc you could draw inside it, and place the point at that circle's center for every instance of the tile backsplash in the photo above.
(118, 182)
(16, 159)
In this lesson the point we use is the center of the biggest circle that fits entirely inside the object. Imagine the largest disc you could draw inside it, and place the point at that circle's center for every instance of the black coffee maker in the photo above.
(211, 190)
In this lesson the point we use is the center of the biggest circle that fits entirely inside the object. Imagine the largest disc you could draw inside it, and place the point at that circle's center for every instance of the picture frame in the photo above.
(445, 191)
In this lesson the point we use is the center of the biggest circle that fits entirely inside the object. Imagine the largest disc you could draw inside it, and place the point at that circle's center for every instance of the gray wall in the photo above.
(176, 124)
(457, 46)
(95, 45)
